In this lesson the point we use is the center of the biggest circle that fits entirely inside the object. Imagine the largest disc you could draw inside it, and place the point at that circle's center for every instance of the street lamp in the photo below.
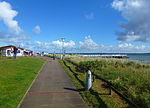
(62, 49)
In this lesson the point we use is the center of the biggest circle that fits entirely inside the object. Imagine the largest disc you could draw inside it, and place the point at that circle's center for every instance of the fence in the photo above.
(110, 85)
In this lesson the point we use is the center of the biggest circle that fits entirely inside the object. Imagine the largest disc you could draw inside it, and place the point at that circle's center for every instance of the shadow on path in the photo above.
(102, 103)
(78, 90)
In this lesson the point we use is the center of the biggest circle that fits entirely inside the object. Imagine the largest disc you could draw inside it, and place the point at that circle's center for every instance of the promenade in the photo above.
(52, 89)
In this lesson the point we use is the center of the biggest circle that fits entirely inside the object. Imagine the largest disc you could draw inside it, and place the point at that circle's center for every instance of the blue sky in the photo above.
(86, 25)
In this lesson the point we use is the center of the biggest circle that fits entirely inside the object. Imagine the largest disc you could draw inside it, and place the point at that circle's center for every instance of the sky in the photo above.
(93, 26)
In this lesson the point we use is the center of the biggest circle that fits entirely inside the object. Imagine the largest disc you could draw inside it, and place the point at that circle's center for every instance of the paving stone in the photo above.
(53, 89)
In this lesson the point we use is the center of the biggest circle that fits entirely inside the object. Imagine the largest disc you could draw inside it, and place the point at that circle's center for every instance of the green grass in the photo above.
(15, 78)
(130, 78)
(1, 58)
(93, 97)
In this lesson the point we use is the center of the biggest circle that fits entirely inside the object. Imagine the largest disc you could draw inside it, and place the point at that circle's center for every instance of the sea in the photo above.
(137, 57)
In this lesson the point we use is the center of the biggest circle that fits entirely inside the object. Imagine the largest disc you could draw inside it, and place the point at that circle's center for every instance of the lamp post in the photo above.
(62, 49)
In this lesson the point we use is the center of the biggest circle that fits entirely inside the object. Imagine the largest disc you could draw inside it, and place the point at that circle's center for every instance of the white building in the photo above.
(8, 51)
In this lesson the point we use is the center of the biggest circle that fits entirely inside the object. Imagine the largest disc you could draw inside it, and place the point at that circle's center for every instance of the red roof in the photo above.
(11, 46)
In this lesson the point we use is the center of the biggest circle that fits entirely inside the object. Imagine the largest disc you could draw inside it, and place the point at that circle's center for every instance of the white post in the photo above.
(88, 80)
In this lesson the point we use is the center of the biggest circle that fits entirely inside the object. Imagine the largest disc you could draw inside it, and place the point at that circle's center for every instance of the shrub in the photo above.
(130, 78)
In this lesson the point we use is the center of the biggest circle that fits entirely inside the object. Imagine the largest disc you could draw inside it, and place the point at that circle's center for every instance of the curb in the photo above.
(18, 106)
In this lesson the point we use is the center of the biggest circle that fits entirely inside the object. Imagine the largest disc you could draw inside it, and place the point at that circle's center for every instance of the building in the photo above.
(9, 51)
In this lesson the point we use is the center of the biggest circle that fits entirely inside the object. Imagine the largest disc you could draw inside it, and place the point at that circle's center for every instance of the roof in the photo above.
(11, 46)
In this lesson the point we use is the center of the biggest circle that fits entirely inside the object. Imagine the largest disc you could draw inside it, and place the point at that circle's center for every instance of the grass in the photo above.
(98, 96)
(130, 78)
(15, 78)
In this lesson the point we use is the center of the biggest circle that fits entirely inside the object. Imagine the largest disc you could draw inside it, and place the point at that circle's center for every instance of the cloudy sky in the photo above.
(87, 25)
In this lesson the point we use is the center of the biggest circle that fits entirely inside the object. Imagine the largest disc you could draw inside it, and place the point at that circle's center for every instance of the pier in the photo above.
(106, 56)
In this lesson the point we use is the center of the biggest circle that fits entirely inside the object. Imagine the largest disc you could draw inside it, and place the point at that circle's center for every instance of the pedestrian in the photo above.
(15, 52)
(54, 55)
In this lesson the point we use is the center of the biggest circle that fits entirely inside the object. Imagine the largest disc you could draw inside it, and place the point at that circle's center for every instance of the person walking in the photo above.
(15, 52)
(54, 55)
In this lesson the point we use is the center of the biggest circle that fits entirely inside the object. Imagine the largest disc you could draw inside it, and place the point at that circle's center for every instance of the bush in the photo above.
(130, 78)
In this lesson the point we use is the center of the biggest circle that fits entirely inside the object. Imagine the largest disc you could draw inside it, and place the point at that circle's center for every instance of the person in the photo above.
(15, 52)
(54, 55)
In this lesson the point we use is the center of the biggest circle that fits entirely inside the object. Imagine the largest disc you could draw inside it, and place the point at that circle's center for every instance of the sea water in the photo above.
(138, 57)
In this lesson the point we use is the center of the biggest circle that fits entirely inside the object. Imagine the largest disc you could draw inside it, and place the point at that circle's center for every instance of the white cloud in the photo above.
(37, 46)
(69, 44)
(117, 5)
(90, 16)
(129, 37)
(128, 47)
(88, 44)
(40, 46)
(137, 13)
(125, 45)
(11, 38)
(15, 34)
(37, 30)
(7, 15)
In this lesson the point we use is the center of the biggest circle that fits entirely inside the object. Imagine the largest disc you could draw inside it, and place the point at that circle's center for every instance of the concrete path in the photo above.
(52, 89)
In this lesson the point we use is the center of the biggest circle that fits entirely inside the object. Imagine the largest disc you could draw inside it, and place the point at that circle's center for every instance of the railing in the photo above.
(110, 85)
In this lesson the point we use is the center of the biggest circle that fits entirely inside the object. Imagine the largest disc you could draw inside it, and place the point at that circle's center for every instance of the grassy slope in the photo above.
(134, 77)
(93, 99)
(15, 78)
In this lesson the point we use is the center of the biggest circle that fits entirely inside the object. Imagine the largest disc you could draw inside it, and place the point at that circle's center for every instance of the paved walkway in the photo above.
(52, 89)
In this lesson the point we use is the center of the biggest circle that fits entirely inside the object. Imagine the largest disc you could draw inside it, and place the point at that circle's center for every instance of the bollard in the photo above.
(61, 56)
(88, 80)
